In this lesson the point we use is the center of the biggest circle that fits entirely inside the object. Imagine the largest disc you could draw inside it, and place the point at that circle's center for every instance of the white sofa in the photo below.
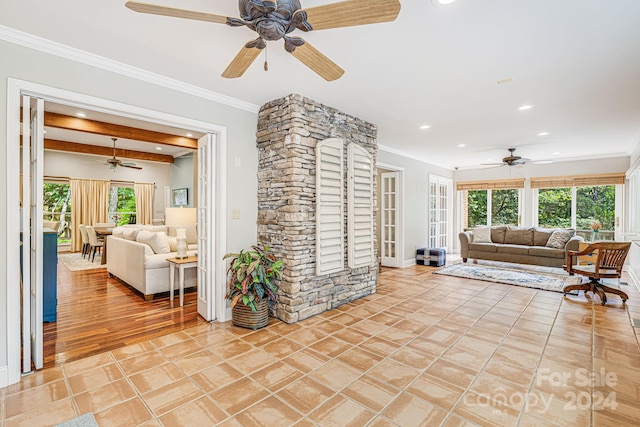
(132, 259)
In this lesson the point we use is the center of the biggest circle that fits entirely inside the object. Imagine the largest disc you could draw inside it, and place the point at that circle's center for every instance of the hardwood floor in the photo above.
(98, 313)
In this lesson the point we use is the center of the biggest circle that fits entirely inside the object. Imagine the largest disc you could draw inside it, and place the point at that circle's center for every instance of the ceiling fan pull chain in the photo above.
(266, 64)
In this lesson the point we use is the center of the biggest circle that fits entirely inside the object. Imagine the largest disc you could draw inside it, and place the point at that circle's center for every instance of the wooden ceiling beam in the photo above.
(52, 144)
(62, 121)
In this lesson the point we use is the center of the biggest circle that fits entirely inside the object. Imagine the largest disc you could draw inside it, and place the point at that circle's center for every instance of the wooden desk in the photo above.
(180, 264)
(586, 259)
(104, 232)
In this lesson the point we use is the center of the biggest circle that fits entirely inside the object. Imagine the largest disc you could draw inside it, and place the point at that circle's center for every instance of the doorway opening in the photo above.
(211, 148)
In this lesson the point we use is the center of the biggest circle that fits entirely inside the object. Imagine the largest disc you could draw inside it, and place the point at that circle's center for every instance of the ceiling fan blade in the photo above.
(130, 166)
(318, 62)
(177, 13)
(241, 62)
(351, 12)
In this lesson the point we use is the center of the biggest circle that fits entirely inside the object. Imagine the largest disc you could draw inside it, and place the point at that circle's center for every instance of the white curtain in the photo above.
(145, 194)
(89, 202)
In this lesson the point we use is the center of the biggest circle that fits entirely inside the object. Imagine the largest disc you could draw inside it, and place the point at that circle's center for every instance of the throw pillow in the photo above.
(158, 241)
(130, 233)
(559, 238)
(173, 243)
(482, 235)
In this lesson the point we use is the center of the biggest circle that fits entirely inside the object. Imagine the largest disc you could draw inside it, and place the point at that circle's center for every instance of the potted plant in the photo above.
(251, 278)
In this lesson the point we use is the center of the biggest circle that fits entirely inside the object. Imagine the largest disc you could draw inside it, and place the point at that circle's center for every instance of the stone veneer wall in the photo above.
(288, 130)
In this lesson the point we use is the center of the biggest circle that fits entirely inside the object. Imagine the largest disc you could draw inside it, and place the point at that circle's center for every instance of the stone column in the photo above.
(288, 130)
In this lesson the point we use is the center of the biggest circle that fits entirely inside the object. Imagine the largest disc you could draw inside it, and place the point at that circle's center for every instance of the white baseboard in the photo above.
(409, 262)
(4, 376)
(634, 277)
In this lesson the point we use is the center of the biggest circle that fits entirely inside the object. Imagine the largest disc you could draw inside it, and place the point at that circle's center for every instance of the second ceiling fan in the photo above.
(114, 162)
(274, 20)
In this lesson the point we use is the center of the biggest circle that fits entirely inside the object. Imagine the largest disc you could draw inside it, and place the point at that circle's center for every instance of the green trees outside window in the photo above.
(596, 203)
(504, 207)
(476, 207)
(554, 207)
(57, 207)
(122, 205)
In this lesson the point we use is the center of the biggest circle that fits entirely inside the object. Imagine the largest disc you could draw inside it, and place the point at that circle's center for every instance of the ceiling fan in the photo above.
(115, 162)
(510, 160)
(275, 19)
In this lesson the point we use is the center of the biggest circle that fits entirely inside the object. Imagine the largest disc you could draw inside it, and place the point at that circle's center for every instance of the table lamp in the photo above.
(181, 245)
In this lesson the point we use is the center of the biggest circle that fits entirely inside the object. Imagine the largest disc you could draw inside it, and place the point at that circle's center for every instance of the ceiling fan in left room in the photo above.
(114, 162)
(275, 19)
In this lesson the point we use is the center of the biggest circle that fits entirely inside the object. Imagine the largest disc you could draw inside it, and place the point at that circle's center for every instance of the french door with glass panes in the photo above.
(389, 253)
(440, 190)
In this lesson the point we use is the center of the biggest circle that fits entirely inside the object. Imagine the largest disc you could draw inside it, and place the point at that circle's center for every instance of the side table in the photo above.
(180, 264)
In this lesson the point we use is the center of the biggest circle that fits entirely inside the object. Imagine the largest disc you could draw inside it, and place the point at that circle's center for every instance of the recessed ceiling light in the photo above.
(525, 107)
(425, 127)
(462, 145)
(159, 148)
(81, 115)
(543, 133)
(189, 135)
(442, 2)
(489, 160)
(505, 81)
(555, 153)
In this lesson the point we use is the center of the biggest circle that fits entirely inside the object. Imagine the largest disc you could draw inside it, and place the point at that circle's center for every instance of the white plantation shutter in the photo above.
(329, 206)
(360, 207)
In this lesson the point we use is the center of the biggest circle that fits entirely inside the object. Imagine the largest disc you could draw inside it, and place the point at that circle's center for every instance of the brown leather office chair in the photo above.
(609, 259)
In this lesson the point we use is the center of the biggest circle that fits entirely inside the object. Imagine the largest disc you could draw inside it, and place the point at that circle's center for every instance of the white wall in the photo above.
(59, 163)
(182, 176)
(55, 71)
(415, 196)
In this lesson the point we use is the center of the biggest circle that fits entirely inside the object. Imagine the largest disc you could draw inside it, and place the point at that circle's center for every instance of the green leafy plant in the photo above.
(251, 276)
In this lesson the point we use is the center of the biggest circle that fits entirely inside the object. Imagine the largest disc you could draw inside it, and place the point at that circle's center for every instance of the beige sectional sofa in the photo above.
(523, 245)
(137, 255)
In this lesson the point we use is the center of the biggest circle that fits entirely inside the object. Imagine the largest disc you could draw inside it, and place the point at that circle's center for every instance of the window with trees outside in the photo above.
(122, 205)
(593, 205)
(57, 207)
(492, 207)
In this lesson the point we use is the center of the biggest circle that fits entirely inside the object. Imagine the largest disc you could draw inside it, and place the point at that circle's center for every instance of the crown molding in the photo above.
(54, 48)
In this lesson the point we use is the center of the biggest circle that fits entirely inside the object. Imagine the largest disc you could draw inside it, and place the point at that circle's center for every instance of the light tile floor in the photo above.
(424, 350)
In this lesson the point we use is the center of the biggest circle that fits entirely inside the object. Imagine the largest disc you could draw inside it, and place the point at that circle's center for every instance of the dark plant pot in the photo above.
(242, 316)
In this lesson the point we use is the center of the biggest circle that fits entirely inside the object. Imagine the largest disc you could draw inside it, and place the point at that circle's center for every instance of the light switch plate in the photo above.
(235, 213)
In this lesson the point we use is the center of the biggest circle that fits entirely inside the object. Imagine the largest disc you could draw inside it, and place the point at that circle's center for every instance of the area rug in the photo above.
(508, 276)
(75, 262)
(85, 420)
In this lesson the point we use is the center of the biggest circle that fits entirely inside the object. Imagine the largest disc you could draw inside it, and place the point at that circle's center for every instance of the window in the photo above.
(122, 205)
(476, 204)
(554, 207)
(596, 204)
(504, 207)
(57, 207)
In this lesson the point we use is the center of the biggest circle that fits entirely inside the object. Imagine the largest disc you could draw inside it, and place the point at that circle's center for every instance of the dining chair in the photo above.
(85, 240)
(94, 243)
(610, 257)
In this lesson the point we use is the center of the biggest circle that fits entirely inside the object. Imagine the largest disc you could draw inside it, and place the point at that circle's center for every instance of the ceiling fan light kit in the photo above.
(274, 20)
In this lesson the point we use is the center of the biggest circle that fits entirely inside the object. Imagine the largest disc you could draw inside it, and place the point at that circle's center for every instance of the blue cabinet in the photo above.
(49, 275)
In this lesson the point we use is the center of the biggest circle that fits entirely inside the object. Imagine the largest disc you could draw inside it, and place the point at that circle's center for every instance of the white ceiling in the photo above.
(576, 61)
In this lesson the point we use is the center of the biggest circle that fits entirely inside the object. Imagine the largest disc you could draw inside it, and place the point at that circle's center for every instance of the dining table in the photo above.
(103, 232)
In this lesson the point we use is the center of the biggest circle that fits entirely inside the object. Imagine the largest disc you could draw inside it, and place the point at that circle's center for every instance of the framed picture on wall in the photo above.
(180, 197)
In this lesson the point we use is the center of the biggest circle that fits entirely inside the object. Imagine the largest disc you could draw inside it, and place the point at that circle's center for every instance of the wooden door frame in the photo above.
(15, 89)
